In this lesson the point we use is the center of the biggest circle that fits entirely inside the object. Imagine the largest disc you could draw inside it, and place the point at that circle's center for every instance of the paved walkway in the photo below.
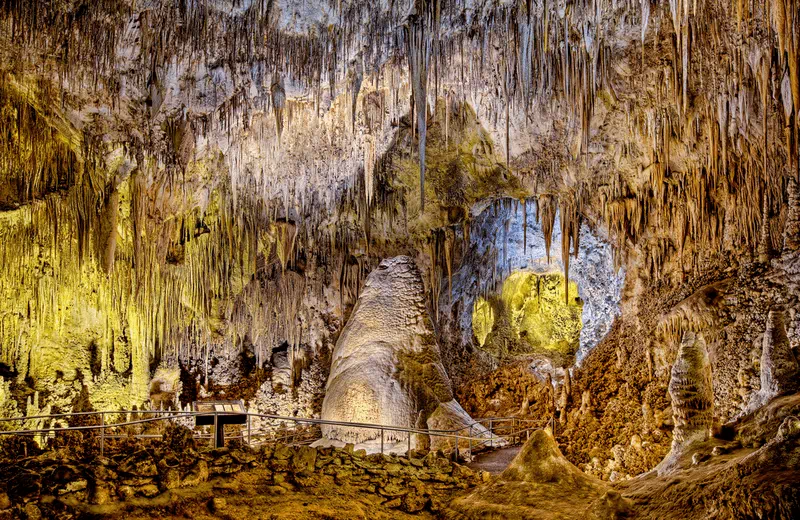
(495, 462)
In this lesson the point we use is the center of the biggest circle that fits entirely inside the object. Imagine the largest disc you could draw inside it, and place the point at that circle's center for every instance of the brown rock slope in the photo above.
(753, 475)
(540, 484)
(749, 470)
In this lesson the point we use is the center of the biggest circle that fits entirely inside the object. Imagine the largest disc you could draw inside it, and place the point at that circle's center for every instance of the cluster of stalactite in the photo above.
(530, 50)
(35, 157)
(731, 90)
(128, 271)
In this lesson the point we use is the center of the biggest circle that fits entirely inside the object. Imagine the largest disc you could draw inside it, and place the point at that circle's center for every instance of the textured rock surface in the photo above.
(753, 475)
(541, 483)
(237, 480)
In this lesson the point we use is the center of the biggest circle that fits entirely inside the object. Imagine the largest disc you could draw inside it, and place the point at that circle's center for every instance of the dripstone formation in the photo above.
(779, 367)
(386, 367)
(692, 395)
(427, 215)
(691, 392)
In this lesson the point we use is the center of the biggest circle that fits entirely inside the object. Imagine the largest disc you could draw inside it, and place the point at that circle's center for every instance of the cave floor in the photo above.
(495, 462)
(249, 496)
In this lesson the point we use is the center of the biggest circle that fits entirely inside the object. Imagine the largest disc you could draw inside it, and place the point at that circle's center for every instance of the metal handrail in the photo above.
(172, 414)
(163, 415)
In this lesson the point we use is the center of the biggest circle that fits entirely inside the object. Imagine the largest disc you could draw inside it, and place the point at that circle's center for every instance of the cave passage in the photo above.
(402, 236)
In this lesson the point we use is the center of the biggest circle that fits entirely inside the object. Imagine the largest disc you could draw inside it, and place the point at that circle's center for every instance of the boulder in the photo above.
(140, 464)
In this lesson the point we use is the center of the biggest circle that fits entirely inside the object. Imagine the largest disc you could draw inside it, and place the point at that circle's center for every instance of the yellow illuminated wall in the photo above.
(530, 315)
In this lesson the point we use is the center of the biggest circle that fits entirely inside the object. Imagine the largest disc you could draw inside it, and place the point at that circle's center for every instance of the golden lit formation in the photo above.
(533, 306)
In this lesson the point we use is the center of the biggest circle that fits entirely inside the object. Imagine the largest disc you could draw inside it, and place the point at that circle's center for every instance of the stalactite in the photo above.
(418, 60)
(547, 216)
(524, 227)
(765, 240)
(278, 103)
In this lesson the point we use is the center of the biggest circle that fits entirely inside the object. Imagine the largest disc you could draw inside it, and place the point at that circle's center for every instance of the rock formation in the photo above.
(386, 367)
(194, 194)
(541, 483)
(791, 233)
(779, 367)
(691, 391)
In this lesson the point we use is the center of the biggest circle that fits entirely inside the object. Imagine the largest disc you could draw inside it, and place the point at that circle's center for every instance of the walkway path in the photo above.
(495, 462)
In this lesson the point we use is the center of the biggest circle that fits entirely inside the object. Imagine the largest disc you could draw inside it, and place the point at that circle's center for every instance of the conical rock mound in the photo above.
(540, 461)
(540, 483)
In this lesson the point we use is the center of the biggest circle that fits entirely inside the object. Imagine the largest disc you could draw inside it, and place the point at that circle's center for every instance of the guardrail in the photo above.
(508, 429)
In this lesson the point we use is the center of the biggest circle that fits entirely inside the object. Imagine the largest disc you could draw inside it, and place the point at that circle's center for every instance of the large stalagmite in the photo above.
(691, 391)
(692, 395)
(386, 366)
(779, 368)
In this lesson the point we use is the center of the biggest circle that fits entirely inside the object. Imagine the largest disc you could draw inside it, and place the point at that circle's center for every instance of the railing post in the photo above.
(248, 431)
(470, 442)
(102, 433)
(515, 430)
(455, 452)
(381, 441)
(408, 453)
(214, 435)
(491, 435)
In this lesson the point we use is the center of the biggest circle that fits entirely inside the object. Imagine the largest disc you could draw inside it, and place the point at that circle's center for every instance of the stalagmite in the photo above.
(779, 366)
(691, 391)
(791, 232)
(692, 395)
(386, 368)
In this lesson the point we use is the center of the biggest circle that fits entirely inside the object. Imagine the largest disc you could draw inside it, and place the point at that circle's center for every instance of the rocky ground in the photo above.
(176, 479)
(748, 470)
